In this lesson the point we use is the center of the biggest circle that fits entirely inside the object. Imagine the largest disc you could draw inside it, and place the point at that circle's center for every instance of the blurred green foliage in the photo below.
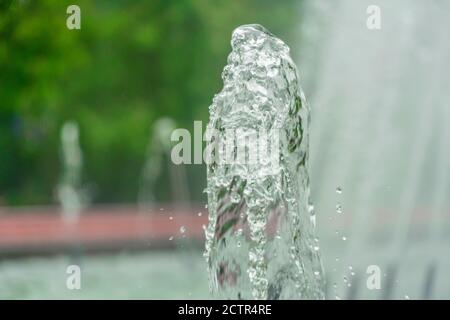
(131, 63)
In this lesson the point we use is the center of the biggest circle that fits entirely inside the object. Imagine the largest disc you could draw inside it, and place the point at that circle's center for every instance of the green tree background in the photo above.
(131, 63)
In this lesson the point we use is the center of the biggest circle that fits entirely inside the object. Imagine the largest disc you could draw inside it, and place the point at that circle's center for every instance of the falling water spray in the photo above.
(70, 193)
(69, 190)
(260, 241)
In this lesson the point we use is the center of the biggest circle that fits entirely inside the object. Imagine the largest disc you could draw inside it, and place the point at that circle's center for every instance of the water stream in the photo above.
(260, 238)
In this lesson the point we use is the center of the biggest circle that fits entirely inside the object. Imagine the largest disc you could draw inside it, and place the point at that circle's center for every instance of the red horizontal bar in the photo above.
(33, 227)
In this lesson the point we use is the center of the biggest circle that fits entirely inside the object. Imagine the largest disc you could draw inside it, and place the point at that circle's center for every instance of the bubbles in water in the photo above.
(261, 92)
(344, 238)
(311, 210)
(182, 229)
(171, 238)
(235, 197)
(313, 220)
(170, 218)
(407, 297)
(338, 190)
(199, 214)
(339, 208)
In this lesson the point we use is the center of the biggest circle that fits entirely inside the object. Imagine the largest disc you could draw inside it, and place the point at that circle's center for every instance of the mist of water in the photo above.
(380, 121)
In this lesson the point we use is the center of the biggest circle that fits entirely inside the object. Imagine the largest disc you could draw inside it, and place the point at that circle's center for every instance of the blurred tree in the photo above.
(130, 64)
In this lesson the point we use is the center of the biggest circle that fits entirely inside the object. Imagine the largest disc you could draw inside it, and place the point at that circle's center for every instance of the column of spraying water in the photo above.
(260, 241)
(70, 194)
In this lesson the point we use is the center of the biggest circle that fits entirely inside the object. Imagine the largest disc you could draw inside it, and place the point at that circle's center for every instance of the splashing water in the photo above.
(70, 194)
(260, 238)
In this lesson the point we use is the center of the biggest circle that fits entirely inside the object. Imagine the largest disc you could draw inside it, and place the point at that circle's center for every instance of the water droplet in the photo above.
(337, 259)
(171, 238)
(235, 197)
(170, 218)
(344, 238)
(339, 208)
(238, 244)
(199, 214)
(350, 268)
(313, 220)
(338, 190)
(182, 229)
(316, 248)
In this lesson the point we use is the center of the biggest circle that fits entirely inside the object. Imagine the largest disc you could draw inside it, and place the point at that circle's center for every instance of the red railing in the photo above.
(28, 229)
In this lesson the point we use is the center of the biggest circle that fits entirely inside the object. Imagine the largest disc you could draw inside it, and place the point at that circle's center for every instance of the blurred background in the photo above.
(85, 123)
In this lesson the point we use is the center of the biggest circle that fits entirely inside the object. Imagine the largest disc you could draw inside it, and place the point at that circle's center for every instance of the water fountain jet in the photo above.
(260, 238)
